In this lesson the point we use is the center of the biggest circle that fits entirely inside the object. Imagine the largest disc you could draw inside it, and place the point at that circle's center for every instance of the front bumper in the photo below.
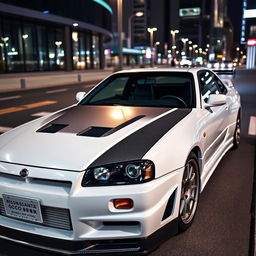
(97, 227)
(140, 246)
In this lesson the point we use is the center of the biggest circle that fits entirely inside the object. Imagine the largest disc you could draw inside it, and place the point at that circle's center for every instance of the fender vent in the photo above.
(52, 128)
(169, 207)
(94, 131)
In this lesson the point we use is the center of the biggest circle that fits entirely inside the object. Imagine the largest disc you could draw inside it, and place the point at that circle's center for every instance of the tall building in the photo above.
(45, 35)
(204, 24)
(248, 26)
(207, 25)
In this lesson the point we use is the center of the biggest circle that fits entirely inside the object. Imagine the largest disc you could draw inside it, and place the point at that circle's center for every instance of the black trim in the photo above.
(94, 131)
(138, 246)
(119, 127)
(170, 205)
(42, 167)
(136, 145)
(52, 128)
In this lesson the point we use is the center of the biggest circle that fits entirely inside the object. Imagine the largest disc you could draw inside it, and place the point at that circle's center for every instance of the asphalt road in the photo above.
(223, 221)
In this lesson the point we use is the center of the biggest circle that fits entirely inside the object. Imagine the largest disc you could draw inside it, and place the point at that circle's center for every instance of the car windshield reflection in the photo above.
(144, 89)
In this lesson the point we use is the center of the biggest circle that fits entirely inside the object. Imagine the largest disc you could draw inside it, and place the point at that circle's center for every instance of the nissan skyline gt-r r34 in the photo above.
(123, 168)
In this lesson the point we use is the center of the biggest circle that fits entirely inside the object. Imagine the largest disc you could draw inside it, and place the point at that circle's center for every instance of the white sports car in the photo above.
(122, 169)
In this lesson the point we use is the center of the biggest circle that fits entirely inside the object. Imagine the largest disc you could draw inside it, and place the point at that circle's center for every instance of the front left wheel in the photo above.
(190, 190)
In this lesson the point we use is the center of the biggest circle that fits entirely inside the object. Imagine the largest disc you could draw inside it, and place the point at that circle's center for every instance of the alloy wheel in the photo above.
(189, 191)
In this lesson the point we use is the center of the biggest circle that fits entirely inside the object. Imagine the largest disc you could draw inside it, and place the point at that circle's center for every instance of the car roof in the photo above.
(140, 70)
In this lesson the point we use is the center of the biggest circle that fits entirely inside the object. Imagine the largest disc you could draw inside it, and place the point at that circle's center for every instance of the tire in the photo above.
(237, 133)
(190, 190)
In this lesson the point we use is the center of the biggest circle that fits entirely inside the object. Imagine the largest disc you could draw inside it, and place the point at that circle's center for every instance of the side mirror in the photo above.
(80, 96)
(216, 100)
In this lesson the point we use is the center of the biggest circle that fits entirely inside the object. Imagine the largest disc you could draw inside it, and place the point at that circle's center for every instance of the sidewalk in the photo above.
(21, 81)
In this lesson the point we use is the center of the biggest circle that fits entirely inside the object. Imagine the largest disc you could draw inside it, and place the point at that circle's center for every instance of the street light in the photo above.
(151, 32)
(173, 33)
(194, 47)
(137, 14)
(184, 41)
(156, 44)
(120, 30)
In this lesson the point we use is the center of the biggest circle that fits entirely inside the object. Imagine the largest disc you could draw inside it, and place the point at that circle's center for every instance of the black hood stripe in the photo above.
(136, 145)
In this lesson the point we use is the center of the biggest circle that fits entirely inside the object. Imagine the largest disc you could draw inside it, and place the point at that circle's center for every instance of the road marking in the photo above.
(10, 98)
(5, 129)
(58, 90)
(252, 126)
(41, 114)
(25, 107)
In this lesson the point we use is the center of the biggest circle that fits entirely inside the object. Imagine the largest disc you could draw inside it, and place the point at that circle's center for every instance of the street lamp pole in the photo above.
(156, 54)
(173, 33)
(151, 32)
(120, 30)
(137, 14)
(184, 41)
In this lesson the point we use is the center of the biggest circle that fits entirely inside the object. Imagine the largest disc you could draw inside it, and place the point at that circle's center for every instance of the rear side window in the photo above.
(210, 84)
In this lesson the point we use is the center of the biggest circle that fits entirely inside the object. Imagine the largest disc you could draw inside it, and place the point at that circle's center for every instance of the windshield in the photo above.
(145, 89)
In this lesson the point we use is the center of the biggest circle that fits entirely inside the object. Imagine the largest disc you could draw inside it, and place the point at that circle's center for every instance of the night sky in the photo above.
(235, 14)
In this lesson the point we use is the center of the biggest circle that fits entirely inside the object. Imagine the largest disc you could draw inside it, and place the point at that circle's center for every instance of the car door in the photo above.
(214, 119)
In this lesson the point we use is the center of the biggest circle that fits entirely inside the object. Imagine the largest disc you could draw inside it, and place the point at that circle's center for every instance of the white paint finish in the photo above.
(252, 126)
(57, 90)
(5, 129)
(39, 114)
(75, 153)
(10, 98)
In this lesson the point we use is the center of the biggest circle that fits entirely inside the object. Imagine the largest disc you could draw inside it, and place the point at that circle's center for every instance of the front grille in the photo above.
(52, 216)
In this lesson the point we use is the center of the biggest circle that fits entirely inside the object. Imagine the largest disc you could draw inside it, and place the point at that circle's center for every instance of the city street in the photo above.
(223, 224)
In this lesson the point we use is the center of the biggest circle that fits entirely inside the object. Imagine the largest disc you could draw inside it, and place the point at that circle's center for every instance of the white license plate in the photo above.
(23, 208)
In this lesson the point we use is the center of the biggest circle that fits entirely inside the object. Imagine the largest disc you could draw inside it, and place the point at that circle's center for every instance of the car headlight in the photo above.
(216, 65)
(209, 65)
(133, 172)
(230, 65)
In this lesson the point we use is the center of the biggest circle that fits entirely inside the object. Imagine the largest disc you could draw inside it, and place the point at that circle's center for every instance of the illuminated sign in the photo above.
(243, 27)
(107, 52)
(190, 12)
(251, 13)
(251, 42)
(104, 4)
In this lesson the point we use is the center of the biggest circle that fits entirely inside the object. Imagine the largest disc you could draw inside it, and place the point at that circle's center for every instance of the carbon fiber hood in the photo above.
(70, 147)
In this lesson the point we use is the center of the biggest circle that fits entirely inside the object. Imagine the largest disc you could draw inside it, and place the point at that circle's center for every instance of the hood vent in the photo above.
(52, 128)
(94, 131)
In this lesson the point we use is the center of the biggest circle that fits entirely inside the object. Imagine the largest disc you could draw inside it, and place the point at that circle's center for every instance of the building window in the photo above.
(2, 50)
(59, 46)
(42, 48)
(252, 31)
(95, 51)
(82, 50)
(30, 48)
(12, 46)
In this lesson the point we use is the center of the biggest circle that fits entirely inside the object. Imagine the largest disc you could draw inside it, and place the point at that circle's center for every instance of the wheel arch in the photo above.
(197, 151)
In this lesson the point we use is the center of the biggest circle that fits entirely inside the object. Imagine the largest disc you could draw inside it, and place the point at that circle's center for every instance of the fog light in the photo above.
(123, 203)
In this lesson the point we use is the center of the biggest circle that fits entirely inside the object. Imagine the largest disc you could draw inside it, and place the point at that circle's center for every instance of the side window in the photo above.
(222, 87)
(208, 85)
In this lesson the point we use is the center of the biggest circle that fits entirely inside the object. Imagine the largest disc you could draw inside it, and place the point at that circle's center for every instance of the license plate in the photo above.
(23, 208)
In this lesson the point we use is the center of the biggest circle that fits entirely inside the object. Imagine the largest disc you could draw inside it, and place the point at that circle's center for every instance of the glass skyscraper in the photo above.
(48, 35)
